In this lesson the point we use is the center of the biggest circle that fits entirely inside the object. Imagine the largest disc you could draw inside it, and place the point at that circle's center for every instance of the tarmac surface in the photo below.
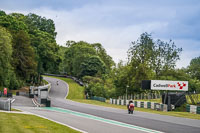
(98, 119)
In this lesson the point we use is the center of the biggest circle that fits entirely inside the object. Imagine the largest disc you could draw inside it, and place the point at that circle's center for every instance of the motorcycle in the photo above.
(130, 107)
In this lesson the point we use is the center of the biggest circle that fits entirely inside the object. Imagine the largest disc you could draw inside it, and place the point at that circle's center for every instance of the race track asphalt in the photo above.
(155, 122)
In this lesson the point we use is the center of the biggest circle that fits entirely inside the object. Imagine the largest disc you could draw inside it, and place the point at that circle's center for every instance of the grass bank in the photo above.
(76, 93)
(21, 123)
(75, 90)
(170, 113)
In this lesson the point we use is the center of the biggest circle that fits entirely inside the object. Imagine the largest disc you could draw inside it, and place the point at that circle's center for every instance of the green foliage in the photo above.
(91, 63)
(12, 23)
(23, 56)
(61, 54)
(5, 58)
(2, 13)
(101, 52)
(194, 85)
(46, 52)
(148, 59)
(194, 68)
(7, 75)
(157, 55)
(81, 59)
(28, 49)
(97, 87)
(182, 108)
(36, 22)
(92, 66)
(31, 49)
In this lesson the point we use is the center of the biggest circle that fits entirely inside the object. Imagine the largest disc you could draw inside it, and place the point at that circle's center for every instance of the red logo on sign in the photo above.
(181, 86)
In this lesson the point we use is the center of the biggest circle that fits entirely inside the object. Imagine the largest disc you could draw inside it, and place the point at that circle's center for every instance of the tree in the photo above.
(148, 59)
(46, 50)
(23, 56)
(194, 68)
(5, 58)
(92, 66)
(75, 55)
(2, 13)
(36, 22)
(101, 52)
(95, 86)
(158, 55)
(12, 23)
(34, 46)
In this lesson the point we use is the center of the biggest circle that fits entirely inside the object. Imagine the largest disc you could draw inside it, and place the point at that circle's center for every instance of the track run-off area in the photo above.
(98, 119)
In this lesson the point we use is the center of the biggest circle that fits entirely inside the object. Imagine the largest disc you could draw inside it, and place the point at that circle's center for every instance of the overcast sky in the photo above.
(117, 23)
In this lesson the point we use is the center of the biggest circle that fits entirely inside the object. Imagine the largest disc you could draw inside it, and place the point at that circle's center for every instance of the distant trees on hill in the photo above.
(28, 49)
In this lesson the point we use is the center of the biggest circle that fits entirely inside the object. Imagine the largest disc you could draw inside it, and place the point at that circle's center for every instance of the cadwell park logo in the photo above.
(181, 86)
(171, 85)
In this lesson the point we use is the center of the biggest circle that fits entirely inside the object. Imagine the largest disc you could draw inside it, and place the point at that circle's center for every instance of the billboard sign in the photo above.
(169, 85)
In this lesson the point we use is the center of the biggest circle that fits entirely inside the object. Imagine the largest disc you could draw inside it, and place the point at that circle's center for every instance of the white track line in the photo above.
(29, 113)
(34, 103)
(61, 123)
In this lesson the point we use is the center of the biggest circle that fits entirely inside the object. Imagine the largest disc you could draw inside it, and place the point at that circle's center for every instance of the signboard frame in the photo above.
(169, 85)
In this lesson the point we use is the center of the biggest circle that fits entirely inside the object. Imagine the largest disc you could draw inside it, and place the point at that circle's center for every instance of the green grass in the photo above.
(12, 109)
(21, 123)
(44, 82)
(75, 90)
(76, 93)
(170, 113)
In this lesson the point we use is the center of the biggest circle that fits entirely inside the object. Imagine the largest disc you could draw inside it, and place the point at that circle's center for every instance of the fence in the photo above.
(141, 96)
(98, 98)
(141, 104)
(5, 105)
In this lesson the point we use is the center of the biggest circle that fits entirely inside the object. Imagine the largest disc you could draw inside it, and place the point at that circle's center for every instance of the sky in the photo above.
(117, 23)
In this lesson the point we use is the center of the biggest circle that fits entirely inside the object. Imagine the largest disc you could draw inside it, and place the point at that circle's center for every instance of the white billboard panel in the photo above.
(169, 85)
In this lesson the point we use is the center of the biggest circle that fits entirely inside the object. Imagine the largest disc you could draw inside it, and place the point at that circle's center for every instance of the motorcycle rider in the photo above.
(130, 107)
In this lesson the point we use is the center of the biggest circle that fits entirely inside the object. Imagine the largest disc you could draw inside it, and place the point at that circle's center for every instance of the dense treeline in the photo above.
(147, 59)
(28, 49)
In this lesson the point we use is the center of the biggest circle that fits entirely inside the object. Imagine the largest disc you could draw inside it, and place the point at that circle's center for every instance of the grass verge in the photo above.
(76, 93)
(75, 90)
(170, 113)
(20, 123)
(12, 109)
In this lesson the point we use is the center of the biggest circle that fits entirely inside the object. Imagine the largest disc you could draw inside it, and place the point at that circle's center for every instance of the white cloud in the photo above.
(116, 26)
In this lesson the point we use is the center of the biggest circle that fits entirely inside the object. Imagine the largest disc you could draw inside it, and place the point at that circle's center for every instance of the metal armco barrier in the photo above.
(5, 105)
